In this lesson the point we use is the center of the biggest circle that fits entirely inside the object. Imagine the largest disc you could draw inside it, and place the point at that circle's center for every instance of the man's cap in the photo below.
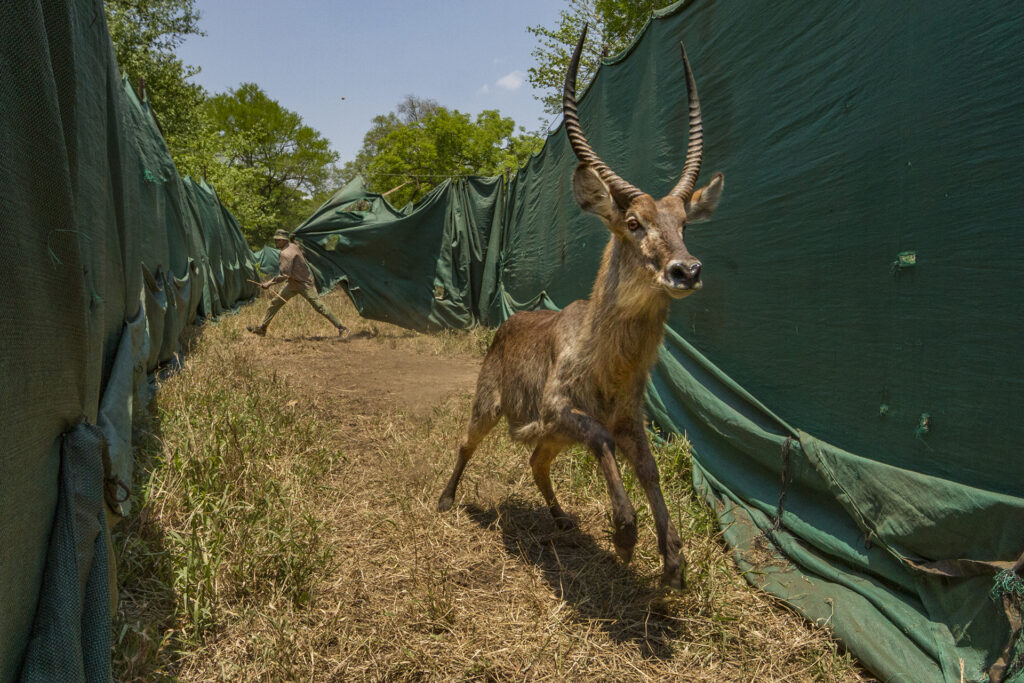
(281, 235)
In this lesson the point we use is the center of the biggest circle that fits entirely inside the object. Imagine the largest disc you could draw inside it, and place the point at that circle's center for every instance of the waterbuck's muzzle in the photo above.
(681, 278)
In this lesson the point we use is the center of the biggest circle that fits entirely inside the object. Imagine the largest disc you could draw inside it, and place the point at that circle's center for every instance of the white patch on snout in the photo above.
(677, 292)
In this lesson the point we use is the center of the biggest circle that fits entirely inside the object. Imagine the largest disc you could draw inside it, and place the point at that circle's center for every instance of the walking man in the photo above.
(296, 271)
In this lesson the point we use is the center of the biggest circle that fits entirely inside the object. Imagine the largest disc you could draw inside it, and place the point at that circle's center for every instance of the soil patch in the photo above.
(380, 378)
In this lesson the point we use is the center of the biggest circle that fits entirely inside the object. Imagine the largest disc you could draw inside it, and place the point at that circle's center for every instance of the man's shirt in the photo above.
(293, 264)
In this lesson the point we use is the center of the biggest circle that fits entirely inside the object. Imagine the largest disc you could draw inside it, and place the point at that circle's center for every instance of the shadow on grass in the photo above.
(591, 579)
(146, 612)
(188, 339)
(375, 333)
(362, 334)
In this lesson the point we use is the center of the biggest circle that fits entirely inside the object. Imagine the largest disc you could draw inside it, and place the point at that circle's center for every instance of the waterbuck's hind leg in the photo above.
(543, 455)
(486, 413)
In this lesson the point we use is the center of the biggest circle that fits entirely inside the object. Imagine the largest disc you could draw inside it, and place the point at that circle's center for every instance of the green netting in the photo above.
(861, 281)
(107, 255)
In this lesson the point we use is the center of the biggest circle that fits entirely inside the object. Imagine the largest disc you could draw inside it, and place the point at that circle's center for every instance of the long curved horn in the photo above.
(695, 147)
(622, 191)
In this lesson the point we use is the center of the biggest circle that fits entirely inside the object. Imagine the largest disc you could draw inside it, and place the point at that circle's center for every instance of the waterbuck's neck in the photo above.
(625, 320)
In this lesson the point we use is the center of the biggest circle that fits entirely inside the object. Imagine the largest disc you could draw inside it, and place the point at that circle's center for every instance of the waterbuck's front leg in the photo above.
(632, 439)
(578, 426)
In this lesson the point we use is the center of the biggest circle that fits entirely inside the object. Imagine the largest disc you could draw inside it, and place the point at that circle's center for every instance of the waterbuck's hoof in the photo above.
(674, 579)
(625, 553)
(564, 522)
(624, 540)
(445, 503)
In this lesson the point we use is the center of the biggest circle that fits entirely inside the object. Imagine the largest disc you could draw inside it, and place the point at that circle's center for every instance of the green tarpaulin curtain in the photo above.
(107, 255)
(850, 374)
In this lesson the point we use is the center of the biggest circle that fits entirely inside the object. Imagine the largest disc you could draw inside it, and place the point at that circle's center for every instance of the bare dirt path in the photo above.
(370, 374)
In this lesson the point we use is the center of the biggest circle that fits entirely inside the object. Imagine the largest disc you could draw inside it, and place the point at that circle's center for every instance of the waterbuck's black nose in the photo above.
(680, 273)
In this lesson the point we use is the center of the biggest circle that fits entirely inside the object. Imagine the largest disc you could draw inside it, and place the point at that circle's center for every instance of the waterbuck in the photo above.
(578, 375)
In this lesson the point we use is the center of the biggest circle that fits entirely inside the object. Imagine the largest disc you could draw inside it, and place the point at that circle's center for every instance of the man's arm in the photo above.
(273, 281)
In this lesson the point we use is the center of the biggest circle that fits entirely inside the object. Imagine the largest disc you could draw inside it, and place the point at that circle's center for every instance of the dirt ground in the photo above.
(371, 376)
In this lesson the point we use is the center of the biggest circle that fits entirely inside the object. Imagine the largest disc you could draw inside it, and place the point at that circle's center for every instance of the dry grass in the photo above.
(284, 535)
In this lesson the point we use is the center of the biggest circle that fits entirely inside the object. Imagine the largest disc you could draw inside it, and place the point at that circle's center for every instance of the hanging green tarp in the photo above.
(107, 256)
(851, 373)
(267, 260)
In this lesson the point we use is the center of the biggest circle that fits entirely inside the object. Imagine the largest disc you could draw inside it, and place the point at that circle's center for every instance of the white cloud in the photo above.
(483, 89)
(511, 81)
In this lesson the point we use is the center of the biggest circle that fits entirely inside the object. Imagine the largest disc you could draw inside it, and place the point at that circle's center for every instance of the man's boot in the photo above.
(258, 330)
(342, 331)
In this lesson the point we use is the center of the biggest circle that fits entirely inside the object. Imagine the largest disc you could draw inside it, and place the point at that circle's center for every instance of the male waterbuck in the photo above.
(578, 375)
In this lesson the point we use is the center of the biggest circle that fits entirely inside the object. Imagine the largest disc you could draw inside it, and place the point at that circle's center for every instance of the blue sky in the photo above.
(468, 55)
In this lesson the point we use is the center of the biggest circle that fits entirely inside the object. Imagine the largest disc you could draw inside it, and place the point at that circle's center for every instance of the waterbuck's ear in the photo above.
(705, 200)
(592, 194)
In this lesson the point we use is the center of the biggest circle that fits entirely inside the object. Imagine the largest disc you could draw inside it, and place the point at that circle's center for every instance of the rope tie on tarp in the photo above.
(1007, 583)
(115, 490)
(784, 480)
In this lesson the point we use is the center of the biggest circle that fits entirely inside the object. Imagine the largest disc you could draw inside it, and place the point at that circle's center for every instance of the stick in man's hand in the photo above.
(266, 285)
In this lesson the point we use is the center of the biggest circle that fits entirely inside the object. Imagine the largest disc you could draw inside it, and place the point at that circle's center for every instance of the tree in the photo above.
(380, 127)
(145, 34)
(613, 26)
(279, 162)
(410, 112)
(208, 157)
(423, 143)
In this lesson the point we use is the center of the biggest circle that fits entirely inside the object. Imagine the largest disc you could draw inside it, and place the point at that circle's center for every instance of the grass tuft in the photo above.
(224, 520)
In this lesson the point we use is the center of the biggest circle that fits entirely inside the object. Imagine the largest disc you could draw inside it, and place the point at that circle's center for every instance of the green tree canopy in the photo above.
(145, 34)
(416, 147)
(269, 168)
(613, 25)
(282, 160)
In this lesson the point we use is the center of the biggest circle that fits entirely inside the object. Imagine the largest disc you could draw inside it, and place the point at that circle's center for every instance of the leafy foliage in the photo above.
(613, 25)
(281, 160)
(268, 168)
(207, 157)
(145, 34)
(413, 149)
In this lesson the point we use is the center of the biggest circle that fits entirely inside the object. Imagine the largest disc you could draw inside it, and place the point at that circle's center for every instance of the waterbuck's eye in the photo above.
(632, 223)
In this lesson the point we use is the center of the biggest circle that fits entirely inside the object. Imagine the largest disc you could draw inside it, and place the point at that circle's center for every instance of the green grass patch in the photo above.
(223, 517)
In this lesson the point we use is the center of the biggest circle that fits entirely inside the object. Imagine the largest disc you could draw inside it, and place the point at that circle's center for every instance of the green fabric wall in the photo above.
(848, 134)
(107, 255)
